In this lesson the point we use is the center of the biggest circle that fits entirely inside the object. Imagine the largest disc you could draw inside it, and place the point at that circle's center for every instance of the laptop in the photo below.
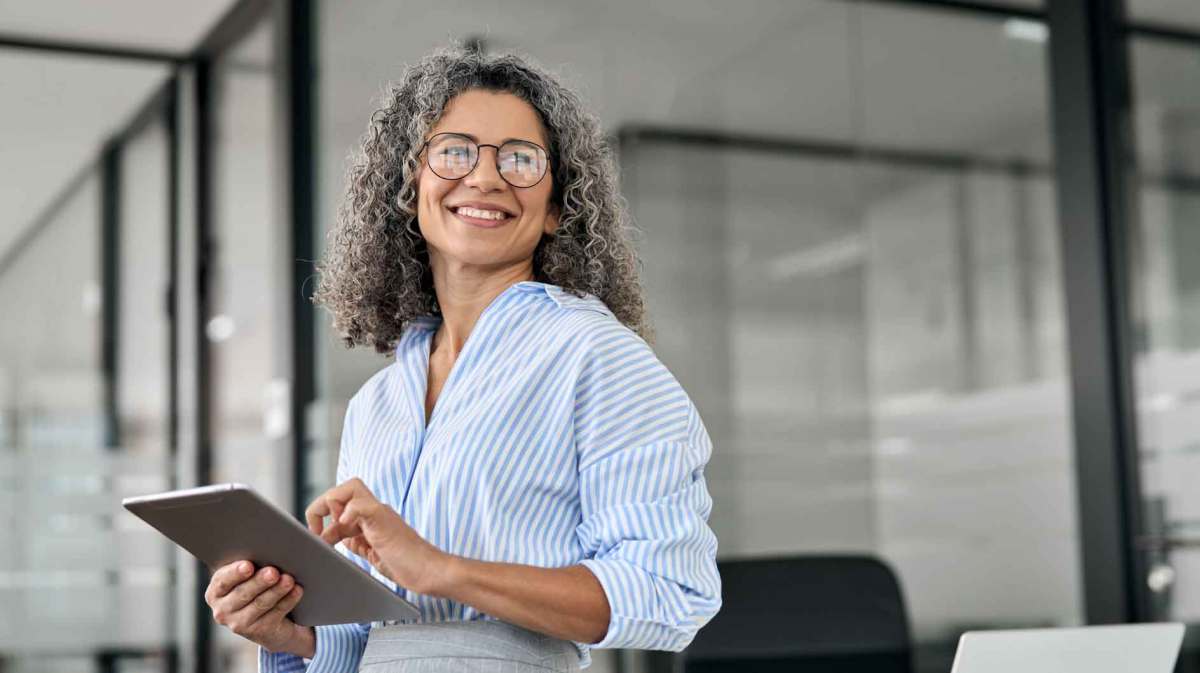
(1125, 648)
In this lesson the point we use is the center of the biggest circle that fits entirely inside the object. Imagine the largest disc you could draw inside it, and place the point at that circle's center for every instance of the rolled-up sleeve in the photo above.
(339, 646)
(642, 449)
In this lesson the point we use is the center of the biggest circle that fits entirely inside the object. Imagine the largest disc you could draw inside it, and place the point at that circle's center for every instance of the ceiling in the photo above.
(144, 24)
(59, 109)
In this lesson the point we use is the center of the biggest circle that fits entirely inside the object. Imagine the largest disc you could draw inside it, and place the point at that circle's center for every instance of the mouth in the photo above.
(481, 216)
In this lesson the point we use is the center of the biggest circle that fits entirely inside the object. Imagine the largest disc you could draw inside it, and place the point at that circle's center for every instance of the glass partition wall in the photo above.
(846, 215)
(873, 326)
(85, 380)
(863, 404)
(1165, 249)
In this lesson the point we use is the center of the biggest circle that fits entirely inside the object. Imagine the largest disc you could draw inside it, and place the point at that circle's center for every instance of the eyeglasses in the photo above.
(452, 156)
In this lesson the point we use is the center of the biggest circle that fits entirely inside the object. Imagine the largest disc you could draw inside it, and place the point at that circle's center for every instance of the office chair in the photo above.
(811, 614)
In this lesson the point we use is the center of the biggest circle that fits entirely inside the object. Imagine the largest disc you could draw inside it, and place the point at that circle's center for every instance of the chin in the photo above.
(477, 253)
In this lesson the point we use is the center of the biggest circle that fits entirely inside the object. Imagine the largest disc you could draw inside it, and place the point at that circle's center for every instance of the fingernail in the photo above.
(245, 568)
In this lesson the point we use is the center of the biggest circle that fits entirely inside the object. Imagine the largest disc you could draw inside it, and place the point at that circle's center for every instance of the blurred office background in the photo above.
(930, 270)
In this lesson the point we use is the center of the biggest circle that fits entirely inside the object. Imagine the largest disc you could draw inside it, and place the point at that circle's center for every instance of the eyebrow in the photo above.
(476, 139)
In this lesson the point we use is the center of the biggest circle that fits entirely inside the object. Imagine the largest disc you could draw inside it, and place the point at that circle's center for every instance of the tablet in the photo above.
(224, 523)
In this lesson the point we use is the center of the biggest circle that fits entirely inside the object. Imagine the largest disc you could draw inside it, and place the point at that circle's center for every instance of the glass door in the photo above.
(1166, 302)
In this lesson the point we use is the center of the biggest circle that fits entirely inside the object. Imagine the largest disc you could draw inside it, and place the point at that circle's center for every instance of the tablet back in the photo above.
(229, 522)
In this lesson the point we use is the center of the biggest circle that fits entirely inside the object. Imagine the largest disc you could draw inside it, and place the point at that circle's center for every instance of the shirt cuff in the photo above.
(339, 649)
(279, 662)
(634, 602)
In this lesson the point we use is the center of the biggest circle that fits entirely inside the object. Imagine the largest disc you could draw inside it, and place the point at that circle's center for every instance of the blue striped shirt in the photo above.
(558, 439)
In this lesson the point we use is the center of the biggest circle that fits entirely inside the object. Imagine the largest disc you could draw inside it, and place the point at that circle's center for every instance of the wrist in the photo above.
(304, 642)
(450, 572)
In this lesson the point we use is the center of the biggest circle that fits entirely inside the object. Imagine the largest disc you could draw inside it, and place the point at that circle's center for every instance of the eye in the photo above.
(454, 155)
(519, 159)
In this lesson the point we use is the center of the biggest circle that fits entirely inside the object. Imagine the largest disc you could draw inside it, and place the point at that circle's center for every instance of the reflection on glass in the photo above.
(877, 350)
(243, 326)
(143, 361)
(1170, 13)
(1166, 304)
(143, 381)
(52, 385)
(936, 82)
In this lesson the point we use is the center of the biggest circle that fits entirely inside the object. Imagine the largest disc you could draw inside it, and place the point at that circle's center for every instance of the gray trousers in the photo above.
(477, 646)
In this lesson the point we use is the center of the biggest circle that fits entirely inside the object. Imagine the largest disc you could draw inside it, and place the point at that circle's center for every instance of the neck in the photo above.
(463, 293)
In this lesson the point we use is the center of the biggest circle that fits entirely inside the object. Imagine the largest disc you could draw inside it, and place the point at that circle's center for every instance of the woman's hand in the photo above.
(255, 605)
(376, 532)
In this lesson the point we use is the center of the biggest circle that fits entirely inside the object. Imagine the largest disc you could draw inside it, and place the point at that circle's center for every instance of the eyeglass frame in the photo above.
(478, 154)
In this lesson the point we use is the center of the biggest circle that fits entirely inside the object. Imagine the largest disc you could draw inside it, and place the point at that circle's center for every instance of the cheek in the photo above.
(536, 202)
(546, 212)
(430, 191)
(429, 216)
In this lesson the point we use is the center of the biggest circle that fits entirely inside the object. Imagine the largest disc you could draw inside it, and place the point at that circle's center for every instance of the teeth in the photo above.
(482, 214)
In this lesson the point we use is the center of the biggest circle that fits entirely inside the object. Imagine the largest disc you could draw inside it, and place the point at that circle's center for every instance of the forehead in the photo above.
(492, 117)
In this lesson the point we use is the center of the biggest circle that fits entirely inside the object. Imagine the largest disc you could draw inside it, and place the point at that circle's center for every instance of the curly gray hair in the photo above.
(375, 276)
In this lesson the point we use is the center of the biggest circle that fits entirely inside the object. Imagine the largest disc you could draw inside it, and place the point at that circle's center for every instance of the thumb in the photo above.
(357, 513)
(358, 545)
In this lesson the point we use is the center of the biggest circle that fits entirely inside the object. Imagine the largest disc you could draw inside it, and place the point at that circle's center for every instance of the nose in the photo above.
(485, 177)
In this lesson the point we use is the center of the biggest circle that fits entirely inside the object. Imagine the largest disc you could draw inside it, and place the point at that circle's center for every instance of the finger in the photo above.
(358, 544)
(361, 490)
(226, 578)
(247, 591)
(262, 603)
(350, 489)
(321, 507)
(335, 511)
(345, 490)
(359, 516)
(315, 514)
(284, 606)
(359, 512)
(343, 523)
(337, 531)
(349, 513)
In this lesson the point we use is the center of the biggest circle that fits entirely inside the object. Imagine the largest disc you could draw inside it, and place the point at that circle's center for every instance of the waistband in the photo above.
(480, 641)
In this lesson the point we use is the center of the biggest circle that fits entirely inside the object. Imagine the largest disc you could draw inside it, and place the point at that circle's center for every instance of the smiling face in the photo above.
(480, 223)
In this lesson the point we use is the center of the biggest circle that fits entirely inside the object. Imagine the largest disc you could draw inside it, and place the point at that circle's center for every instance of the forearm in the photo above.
(566, 603)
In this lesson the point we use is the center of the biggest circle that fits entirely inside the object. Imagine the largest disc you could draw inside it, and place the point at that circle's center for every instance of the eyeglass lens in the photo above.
(521, 164)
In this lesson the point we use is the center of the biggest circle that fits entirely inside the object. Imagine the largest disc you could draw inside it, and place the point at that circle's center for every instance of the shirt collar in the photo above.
(561, 297)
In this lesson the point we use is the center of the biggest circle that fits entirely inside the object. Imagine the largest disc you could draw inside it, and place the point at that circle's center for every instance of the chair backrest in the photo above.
(821, 613)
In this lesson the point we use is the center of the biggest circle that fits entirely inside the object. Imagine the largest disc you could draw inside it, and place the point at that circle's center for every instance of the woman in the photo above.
(526, 472)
